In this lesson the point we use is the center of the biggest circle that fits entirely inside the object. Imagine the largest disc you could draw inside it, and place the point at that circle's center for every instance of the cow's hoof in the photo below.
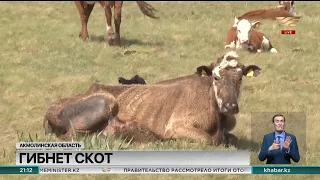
(83, 37)
(117, 41)
(231, 139)
(111, 42)
(273, 50)
(111, 39)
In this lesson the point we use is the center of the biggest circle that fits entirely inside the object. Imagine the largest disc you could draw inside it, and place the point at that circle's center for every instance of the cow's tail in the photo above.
(147, 9)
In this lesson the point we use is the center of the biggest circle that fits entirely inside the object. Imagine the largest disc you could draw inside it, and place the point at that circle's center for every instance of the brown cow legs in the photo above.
(189, 132)
(130, 130)
(229, 124)
(140, 133)
(117, 21)
(84, 12)
(107, 5)
(113, 38)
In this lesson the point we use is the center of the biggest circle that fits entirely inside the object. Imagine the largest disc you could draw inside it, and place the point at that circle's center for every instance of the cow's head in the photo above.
(244, 28)
(227, 76)
(287, 5)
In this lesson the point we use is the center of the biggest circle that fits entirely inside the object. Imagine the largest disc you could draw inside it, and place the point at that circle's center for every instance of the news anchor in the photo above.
(279, 146)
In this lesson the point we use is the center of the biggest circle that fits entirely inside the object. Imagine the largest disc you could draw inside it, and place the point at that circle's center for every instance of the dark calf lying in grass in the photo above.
(134, 80)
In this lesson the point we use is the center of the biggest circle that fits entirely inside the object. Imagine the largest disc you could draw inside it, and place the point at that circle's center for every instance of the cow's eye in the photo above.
(238, 31)
(216, 78)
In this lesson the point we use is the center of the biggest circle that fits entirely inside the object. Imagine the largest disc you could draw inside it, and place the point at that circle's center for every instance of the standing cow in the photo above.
(192, 106)
(85, 8)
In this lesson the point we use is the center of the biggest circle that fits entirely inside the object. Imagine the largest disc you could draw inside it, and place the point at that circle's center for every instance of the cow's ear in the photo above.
(236, 20)
(251, 70)
(256, 24)
(204, 70)
(292, 2)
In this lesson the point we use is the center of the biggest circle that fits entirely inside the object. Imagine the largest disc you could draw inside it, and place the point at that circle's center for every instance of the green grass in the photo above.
(42, 59)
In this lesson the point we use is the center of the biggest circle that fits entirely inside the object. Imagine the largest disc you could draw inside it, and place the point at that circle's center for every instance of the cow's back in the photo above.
(188, 101)
(270, 13)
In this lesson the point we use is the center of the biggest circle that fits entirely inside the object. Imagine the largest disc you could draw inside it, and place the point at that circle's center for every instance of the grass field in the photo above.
(43, 59)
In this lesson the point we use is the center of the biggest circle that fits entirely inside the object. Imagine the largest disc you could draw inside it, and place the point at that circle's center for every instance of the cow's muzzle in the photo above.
(244, 41)
(230, 108)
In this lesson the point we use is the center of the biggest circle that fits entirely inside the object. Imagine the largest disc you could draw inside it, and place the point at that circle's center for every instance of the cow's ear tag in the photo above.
(250, 73)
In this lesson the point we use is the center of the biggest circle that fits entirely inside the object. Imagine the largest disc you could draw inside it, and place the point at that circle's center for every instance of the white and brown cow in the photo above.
(284, 14)
(288, 6)
(242, 35)
(202, 108)
(285, 10)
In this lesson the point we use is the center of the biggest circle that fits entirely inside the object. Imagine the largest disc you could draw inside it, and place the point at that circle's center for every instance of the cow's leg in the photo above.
(266, 44)
(47, 127)
(181, 131)
(112, 128)
(229, 122)
(84, 12)
(231, 139)
(107, 5)
(117, 21)
(91, 114)
(49, 131)
(231, 45)
(130, 130)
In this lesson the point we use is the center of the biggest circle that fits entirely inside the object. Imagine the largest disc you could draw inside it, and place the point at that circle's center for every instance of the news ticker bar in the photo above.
(159, 170)
(132, 158)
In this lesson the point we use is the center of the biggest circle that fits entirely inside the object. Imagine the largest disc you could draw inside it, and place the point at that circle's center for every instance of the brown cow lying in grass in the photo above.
(286, 9)
(202, 108)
